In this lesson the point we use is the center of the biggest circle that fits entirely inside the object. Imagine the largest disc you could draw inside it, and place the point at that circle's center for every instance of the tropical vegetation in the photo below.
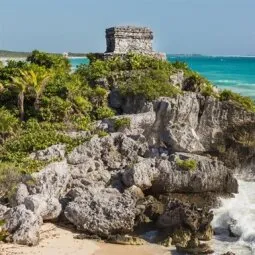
(42, 100)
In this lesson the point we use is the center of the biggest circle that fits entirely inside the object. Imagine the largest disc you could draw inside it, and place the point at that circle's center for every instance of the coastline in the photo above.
(56, 240)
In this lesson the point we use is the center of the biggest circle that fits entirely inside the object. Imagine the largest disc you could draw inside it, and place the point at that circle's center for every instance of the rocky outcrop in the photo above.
(166, 176)
(50, 181)
(111, 185)
(22, 225)
(102, 212)
(52, 153)
(186, 222)
(40, 192)
(196, 124)
(48, 208)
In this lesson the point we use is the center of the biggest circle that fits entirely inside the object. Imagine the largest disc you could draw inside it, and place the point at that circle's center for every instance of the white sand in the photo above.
(59, 241)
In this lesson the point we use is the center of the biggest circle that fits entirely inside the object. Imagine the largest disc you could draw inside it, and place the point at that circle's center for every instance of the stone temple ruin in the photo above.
(124, 39)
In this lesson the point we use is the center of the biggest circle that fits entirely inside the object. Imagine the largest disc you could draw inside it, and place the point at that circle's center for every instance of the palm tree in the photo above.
(37, 80)
(21, 83)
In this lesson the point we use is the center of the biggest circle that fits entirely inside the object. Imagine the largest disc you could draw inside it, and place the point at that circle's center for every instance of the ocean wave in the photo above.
(228, 81)
(238, 214)
(208, 56)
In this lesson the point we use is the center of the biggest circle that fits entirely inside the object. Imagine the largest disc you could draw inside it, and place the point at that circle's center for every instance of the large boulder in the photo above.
(48, 208)
(18, 197)
(41, 191)
(22, 225)
(209, 175)
(102, 212)
(141, 174)
(168, 176)
(113, 152)
(187, 221)
(178, 214)
(52, 153)
(50, 181)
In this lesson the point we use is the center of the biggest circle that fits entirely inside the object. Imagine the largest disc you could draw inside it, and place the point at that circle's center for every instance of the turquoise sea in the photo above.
(226, 72)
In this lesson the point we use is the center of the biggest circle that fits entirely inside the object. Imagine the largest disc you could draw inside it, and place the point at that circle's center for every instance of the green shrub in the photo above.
(55, 109)
(151, 85)
(187, 164)
(104, 112)
(246, 102)
(81, 122)
(34, 136)
(97, 69)
(10, 176)
(207, 89)
(122, 123)
(83, 104)
(98, 96)
(180, 65)
(102, 133)
(8, 123)
(49, 60)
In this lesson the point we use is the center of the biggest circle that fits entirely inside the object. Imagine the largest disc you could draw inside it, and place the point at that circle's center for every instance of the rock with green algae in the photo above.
(201, 249)
(167, 242)
(125, 240)
(181, 237)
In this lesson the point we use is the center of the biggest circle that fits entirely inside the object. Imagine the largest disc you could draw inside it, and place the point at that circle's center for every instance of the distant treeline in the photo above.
(20, 54)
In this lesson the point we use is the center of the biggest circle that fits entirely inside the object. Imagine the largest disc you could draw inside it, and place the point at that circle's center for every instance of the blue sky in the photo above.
(180, 26)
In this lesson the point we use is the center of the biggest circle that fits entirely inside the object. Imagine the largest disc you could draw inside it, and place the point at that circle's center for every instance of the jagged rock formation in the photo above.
(196, 124)
(116, 184)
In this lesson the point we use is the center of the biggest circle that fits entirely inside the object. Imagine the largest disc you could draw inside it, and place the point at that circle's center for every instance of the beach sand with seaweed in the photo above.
(60, 241)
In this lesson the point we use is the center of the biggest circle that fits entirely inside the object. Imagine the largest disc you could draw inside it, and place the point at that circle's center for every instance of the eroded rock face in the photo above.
(196, 124)
(19, 196)
(189, 223)
(99, 161)
(142, 174)
(52, 153)
(51, 181)
(3, 210)
(102, 212)
(166, 176)
(47, 208)
(22, 225)
(178, 214)
(40, 193)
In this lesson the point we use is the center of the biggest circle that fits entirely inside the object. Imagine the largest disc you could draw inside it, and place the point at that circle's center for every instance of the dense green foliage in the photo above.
(48, 60)
(187, 164)
(150, 85)
(41, 100)
(246, 102)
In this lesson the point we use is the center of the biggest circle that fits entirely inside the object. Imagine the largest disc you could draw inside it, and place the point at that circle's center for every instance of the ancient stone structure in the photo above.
(125, 39)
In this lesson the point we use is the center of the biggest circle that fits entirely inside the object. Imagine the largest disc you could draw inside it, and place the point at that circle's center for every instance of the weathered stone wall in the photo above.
(126, 39)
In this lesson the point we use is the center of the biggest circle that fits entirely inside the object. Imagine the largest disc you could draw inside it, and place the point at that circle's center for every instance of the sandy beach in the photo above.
(55, 240)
